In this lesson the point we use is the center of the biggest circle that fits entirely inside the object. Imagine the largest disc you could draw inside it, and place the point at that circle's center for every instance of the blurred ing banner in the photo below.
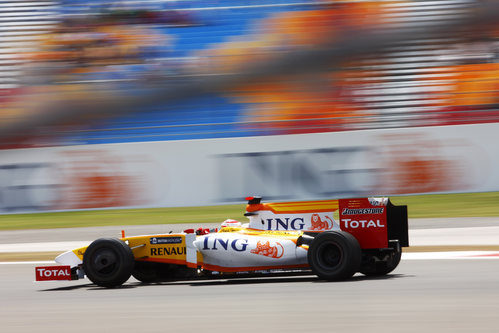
(291, 167)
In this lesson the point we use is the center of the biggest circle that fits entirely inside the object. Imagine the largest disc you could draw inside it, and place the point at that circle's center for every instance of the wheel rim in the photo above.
(105, 262)
(330, 255)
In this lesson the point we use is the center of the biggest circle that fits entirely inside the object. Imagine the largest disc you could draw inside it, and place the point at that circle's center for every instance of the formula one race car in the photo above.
(286, 237)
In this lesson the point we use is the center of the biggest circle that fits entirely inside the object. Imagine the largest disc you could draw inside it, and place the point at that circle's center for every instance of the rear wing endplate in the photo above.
(397, 222)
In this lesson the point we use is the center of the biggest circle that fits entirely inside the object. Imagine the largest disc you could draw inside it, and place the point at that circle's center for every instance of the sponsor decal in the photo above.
(318, 224)
(53, 273)
(285, 223)
(167, 251)
(165, 240)
(229, 229)
(215, 243)
(366, 223)
(269, 251)
(362, 211)
(353, 224)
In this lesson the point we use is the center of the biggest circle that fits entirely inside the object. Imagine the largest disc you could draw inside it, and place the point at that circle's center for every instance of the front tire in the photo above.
(334, 255)
(108, 262)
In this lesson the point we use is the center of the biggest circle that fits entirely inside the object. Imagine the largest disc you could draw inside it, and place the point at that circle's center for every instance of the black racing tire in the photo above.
(108, 262)
(146, 272)
(377, 267)
(334, 255)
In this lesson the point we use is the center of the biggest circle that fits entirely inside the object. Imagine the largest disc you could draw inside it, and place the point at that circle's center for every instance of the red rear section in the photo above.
(367, 222)
(48, 273)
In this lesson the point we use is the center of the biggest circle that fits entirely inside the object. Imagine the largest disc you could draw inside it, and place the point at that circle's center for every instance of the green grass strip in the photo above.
(437, 205)
(109, 217)
(450, 205)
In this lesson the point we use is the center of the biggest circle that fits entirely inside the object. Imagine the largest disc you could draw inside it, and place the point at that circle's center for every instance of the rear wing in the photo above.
(374, 221)
(397, 223)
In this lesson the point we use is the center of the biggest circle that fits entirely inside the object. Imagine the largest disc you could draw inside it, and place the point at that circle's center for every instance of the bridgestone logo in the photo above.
(360, 211)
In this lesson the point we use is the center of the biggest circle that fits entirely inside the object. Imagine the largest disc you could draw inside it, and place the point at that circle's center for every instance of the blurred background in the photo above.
(186, 103)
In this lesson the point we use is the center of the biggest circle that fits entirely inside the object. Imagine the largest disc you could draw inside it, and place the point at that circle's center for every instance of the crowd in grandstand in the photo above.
(106, 50)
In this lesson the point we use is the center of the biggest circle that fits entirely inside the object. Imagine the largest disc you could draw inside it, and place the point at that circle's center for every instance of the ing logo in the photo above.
(265, 249)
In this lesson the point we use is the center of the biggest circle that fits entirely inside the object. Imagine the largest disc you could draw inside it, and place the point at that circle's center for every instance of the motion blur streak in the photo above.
(273, 68)
(306, 100)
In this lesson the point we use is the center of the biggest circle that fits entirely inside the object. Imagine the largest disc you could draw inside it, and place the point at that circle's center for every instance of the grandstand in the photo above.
(412, 83)
(21, 24)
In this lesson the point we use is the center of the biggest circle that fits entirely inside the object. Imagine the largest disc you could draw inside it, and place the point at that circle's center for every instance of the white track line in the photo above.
(450, 255)
(42, 247)
(27, 262)
(455, 236)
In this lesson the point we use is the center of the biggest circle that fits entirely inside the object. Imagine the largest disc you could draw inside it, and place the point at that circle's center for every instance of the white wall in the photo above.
(461, 158)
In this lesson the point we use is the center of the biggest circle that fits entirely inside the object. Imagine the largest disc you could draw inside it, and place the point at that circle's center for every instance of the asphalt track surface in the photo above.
(419, 296)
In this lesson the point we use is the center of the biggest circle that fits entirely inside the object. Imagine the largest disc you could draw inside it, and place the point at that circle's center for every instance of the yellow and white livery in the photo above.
(279, 237)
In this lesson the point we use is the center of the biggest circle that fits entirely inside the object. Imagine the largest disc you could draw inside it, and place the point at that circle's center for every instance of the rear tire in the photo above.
(382, 264)
(151, 272)
(108, 262)
(146, 272)
(334, 255)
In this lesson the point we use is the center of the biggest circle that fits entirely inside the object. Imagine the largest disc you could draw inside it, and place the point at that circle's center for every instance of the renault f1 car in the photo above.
(366, 235)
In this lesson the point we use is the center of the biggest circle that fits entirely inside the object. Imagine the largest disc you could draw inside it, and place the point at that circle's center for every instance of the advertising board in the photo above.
(221, 171)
